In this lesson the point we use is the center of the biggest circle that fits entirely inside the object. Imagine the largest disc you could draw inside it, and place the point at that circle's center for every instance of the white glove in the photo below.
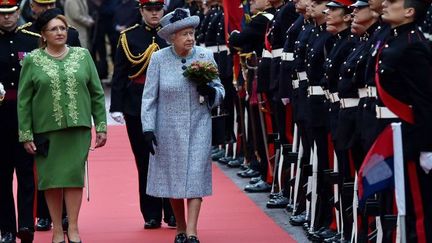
(285, 101)
(118, 117)
(426, 161)
(2, 91)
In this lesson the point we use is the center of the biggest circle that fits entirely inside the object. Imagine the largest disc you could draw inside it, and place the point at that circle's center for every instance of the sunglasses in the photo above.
(153, 8)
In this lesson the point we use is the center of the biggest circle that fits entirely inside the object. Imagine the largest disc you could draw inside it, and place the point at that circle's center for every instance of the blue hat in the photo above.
(177, 20)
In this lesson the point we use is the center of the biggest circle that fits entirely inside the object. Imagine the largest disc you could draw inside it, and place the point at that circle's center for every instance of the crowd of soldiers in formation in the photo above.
(307, 109)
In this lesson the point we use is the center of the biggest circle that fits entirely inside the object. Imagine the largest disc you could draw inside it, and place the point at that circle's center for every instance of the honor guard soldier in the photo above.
(15, 43)
(404, 85)
(250, 42)
(135, 47)
(320, 44)
(40, 6)
(300, 109)
(338, 19)
(346, 87)
(284, 17)
(215, 41)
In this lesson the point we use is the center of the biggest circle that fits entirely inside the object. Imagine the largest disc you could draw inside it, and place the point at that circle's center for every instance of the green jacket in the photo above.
(56, 94)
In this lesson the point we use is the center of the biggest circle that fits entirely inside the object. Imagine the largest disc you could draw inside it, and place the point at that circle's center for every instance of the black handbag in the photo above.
(218, 129)
(42, 144)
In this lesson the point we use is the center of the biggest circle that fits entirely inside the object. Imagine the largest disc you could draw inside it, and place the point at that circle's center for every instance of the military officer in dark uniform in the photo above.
(214, 39)
(15, 43)
(136, 45)
(284, 17)
(338, 19)
(250, 42)
(404, 85)
(299, 85)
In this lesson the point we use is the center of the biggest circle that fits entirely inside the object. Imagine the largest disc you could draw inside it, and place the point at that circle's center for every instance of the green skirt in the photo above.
(65, 164)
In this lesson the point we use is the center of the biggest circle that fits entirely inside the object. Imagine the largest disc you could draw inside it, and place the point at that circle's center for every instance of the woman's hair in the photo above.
(42, 43)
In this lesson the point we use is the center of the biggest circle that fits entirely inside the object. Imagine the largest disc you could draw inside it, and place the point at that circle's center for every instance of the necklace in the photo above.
(56, 55)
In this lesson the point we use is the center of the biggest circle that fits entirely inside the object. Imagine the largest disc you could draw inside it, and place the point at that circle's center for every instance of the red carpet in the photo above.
(113, 214)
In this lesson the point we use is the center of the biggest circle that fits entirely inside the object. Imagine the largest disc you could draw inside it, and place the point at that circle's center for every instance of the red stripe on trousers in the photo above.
(417, 201)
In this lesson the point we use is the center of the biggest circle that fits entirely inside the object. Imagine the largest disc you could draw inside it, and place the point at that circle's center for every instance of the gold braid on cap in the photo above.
(141, 59)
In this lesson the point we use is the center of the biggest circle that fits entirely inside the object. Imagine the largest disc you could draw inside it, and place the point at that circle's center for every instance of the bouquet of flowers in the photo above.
(201, 73)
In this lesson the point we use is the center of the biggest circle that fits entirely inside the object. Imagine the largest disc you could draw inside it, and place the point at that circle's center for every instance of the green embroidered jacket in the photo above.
(56, 94)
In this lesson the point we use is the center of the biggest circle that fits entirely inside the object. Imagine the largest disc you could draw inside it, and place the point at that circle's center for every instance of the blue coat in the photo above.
(181, 166)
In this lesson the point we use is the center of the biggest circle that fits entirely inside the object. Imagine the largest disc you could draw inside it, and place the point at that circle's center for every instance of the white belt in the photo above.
(302, 76)
(287, 56)
(384, 112)
(266, 54)
(362, 92)
(372, 91)
(349, 102)
(315, 90)
(334, 97)
(277, 53)
(295, 83)
(326, 93)
(216, 49)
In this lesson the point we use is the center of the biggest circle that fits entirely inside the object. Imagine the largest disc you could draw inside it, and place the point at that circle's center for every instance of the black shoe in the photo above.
(43, 224)
(152, 224)
(192, 239)
(249, 173)
(260, 186)
(225, 160)
(171, 221)
(7, 237)
(255, 180)
(180, 238)
(298, 220)
(65, 224)
(216, 156)
(70, 240)
(235, 163)
(280, 202)
(26, 234)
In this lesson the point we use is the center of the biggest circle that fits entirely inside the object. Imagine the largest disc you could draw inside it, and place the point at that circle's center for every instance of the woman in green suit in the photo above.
(59, 93)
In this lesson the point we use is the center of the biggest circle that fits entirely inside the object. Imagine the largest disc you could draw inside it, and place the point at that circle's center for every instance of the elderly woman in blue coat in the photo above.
(177, 123)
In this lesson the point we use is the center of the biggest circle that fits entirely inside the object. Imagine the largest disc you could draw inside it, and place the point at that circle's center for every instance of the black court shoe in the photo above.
(180, 238)
(152, 224)
(192, 239)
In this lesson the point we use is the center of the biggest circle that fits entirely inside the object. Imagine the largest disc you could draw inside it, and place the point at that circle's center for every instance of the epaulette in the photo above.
(29, 32)
(26, 25)
(72, 27)
(269, 16)
(130, 28)
(1, 32)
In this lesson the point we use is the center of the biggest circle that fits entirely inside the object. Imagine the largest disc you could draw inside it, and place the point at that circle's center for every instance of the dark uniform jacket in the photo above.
(404, 72)
(126, 92)
(251, 38)
(287, 73)
(13, 47)
(204, 24)
(320, 45)
(282, 21)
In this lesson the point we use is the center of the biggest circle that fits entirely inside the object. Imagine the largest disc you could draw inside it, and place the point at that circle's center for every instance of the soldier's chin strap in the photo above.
(141, 59)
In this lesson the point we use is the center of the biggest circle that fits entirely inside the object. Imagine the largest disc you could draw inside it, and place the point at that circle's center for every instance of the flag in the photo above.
(377, 170)
(234, 14)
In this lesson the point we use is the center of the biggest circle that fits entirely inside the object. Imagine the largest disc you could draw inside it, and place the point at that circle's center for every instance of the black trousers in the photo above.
(151, 207)
(15, 158)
